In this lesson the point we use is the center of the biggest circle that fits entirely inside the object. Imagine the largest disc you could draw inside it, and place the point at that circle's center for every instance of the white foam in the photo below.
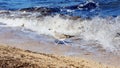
(103, 30)
(45, 25)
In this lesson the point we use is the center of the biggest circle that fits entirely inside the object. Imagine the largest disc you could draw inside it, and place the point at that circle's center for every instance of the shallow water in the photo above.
(28, 40)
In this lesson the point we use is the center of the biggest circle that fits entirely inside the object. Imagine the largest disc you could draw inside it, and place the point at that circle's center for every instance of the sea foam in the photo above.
(103, 30)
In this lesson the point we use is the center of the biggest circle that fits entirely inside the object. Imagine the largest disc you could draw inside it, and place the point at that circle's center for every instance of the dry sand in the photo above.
(16, 58)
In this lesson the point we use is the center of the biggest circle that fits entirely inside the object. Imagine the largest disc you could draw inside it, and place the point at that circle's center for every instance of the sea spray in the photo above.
(103, 30)
(45, 25)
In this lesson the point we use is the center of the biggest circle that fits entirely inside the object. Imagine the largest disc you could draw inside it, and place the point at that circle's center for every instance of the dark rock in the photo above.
(89, 6)
(72, 7)
(4, 12)
(27, 9)
(74, 17)
(42, 10)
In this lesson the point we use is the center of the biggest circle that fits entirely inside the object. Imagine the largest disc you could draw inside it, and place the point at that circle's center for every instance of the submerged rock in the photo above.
(87, 6)
(42, 10)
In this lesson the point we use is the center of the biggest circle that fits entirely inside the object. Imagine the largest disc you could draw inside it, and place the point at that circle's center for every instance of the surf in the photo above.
(104, 31)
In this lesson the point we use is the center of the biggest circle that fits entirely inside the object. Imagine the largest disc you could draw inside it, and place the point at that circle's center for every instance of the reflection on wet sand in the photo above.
(45, 44)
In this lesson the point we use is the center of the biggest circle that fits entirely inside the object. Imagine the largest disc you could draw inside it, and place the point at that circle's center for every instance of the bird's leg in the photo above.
(60, 42)
(23, 28)
(71, 44)
(57, 43)
(64, 42)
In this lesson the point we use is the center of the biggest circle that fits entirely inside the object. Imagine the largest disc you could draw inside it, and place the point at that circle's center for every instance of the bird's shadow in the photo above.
(62, 42)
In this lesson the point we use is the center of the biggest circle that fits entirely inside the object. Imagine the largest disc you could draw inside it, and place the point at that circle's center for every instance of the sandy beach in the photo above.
(16, 58)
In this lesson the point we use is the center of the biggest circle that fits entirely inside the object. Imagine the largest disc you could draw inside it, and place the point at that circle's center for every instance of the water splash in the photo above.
(103, 30)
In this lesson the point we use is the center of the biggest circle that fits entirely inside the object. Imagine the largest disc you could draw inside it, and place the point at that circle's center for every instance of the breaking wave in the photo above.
(105, 31)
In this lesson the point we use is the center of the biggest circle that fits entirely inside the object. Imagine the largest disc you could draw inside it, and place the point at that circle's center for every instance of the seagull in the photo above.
(61, 38)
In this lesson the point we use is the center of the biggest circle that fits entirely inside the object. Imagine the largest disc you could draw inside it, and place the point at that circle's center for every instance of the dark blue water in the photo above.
(104, 7)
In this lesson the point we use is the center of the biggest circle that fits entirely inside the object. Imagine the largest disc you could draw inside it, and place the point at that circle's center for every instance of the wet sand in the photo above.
(17, 58)
(41, 45)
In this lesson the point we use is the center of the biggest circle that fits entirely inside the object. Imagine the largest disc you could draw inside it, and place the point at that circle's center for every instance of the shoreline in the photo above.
(13, 57)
